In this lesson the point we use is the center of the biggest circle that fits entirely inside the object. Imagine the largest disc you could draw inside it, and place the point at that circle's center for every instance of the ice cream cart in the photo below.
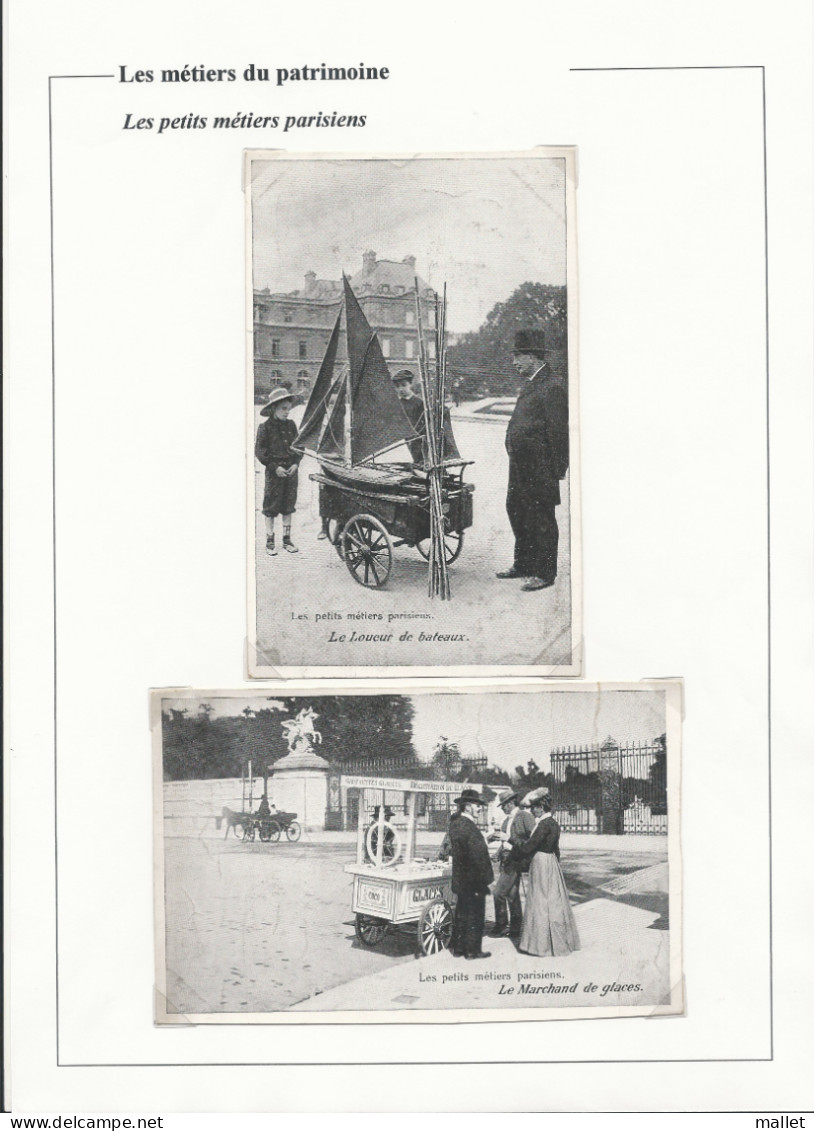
(393, 888)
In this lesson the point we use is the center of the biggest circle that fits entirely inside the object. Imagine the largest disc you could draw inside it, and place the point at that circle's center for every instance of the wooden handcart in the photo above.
(393, 888)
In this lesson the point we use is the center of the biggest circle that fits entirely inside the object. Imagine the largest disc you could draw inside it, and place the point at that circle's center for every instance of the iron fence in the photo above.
(611, 787)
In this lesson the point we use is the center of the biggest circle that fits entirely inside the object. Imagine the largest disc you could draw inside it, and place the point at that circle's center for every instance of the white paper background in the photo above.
(150, 568)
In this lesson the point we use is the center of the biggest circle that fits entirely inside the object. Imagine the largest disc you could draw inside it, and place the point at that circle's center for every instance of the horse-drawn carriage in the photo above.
(394, 889)
(354, 416)
(266, 827)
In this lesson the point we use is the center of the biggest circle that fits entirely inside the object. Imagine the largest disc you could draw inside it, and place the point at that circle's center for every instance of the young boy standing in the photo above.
(273, 449)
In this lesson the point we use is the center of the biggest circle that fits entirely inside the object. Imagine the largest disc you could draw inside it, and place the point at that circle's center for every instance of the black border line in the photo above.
(436, 1063)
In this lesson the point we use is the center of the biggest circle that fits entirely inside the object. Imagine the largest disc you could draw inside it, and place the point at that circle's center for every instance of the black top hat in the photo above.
(276, 396)
(469, 796)
(530, 341)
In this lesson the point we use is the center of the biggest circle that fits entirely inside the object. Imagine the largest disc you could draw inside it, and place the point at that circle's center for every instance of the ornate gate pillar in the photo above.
(610, 808)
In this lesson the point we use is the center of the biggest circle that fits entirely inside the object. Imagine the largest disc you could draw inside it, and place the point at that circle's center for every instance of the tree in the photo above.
(446, 759)
(482, 360)
(352, 727)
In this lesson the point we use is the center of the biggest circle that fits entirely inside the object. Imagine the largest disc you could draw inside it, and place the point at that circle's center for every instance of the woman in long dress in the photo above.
(548, 921)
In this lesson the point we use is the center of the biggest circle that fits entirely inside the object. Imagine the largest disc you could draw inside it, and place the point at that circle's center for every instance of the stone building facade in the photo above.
(291, 329)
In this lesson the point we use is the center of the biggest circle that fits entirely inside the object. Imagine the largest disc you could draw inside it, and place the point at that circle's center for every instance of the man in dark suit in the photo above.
(515, 830)
(471, 876)
(537, 443)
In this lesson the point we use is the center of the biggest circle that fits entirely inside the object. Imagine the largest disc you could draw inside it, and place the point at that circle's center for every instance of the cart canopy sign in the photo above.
(405, 785)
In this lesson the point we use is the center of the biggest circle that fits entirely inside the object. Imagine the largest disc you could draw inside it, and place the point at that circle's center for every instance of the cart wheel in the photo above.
(333, 532)
(435, 927)
(391, 846)
(293, 832)
(366, 550)
(269, 830)
(369, 930)
(453, 544)
(248, 831)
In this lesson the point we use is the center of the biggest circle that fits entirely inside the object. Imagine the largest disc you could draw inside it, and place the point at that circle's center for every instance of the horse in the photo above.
(231, 818)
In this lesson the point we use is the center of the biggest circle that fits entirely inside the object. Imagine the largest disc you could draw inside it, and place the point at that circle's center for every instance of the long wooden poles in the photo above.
(432, 392)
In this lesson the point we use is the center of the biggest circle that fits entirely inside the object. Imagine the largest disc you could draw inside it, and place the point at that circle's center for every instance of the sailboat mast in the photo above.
(348, 418)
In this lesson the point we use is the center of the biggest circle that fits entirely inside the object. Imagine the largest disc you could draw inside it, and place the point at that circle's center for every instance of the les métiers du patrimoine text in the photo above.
(253, 73)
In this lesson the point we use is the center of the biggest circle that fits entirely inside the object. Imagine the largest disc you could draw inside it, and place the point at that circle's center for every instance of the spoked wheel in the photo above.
(369, 930)
(435, 928)
(391, 843)
(453, 544)
(333, 532)
(248, 831)
(270, 831)
(366, 550)
(293, 832)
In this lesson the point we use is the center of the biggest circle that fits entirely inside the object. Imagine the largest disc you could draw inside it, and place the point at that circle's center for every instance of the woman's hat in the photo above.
(469, 796)
(275, 397)
(505, 798)
(536, 795)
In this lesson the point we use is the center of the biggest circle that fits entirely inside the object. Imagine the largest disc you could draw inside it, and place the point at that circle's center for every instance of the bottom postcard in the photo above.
(404, 853)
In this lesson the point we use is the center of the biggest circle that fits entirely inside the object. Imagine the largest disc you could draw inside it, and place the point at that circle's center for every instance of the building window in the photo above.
(276, 375)
(409, 347)
(275, 347)
(386, 347)
(303, 349)
(288, 316)
(409, 317)
(431, 316)
(431, 347)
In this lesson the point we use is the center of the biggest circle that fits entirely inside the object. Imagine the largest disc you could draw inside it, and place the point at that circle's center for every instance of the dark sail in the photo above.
(314, 415)
(378, 420)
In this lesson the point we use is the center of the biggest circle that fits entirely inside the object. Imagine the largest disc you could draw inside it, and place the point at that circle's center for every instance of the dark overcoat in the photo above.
(537, 438)
(471, 867)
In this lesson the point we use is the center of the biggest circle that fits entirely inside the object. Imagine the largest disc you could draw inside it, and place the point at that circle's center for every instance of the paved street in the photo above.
(497, 623)
(258, 927)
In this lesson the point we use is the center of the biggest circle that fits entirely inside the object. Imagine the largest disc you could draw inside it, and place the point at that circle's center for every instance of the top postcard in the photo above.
(412, 425)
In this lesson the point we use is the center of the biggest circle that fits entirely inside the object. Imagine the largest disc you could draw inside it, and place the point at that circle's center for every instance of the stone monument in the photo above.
(300, 778)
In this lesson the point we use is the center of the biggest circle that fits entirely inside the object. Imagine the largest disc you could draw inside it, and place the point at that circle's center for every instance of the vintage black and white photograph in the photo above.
(490, 853)
(412, 429)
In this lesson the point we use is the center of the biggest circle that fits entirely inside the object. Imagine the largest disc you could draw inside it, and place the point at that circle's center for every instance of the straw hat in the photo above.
(275, 397)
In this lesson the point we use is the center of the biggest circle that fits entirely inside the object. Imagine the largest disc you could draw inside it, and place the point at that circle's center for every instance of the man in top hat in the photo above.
(471, 876)
(537, 443)
(517, 827)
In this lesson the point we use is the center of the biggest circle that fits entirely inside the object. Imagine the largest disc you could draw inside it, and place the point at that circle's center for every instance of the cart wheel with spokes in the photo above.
(293, 831)
(435, 927)
(391, 843)
(369, 930)
(269, 831)
(366, 550)
(453, 544)
(248, 831)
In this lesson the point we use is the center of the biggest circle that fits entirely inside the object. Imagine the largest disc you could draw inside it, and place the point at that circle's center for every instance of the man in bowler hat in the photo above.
(537, 443)
(517, 827)
(471, 876)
